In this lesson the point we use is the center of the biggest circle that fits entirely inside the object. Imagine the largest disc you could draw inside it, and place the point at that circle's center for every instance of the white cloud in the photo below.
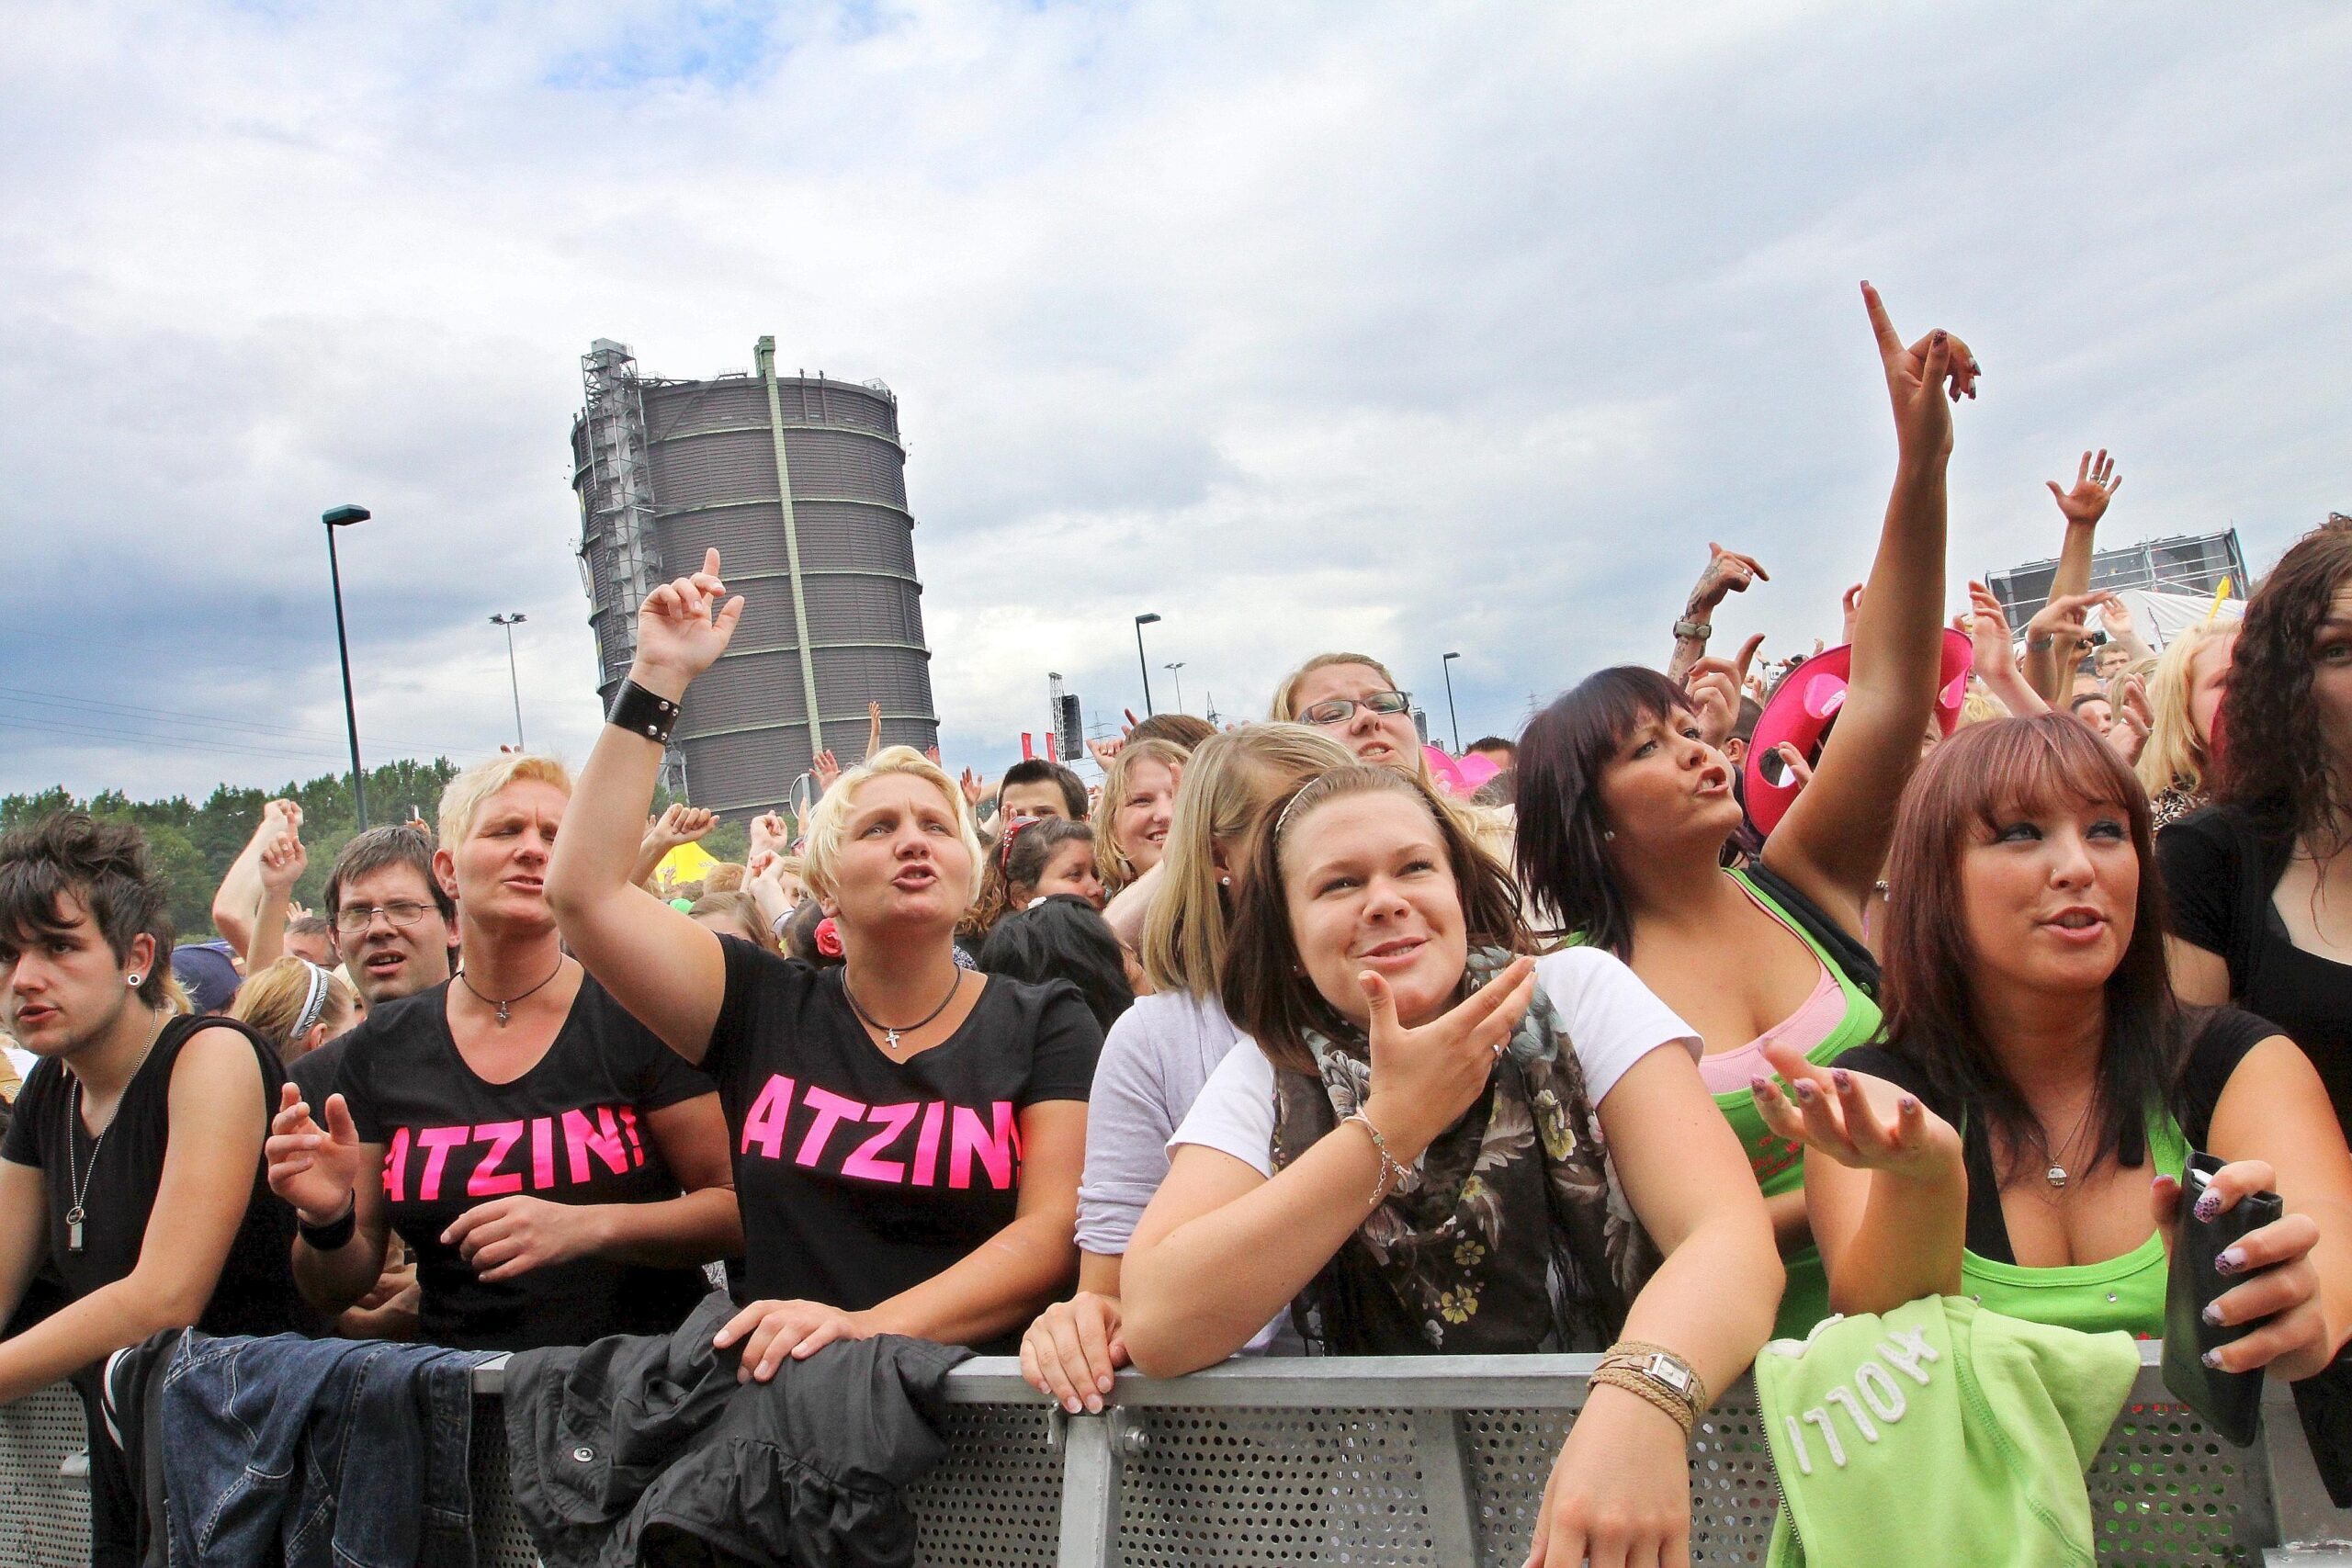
(1403, 326)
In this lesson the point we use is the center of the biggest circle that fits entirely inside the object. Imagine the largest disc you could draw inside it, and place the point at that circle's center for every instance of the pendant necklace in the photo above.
(505, 1008)
(78, 1177)
(890, 1034)
(2057, 1174)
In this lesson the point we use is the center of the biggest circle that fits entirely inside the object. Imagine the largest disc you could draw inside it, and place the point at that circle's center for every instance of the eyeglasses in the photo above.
(351, 921)
(1339, 710)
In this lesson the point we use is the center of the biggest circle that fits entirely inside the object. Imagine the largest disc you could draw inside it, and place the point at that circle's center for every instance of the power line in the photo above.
(189, 720)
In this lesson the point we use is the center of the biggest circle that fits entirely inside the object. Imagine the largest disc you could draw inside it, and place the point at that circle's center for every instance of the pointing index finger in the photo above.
(1890, 345)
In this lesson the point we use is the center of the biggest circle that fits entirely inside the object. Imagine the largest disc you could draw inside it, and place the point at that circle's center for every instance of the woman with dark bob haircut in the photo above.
(2021, 1135)
(1441, 1146)
(1624, 809)
(2261, 887)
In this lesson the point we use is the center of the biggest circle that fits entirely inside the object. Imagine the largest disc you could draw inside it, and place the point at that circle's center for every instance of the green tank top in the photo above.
(1778, 1164)
(2126, 1293)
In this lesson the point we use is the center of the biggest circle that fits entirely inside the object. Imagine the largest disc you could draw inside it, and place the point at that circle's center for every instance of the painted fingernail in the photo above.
(2212, 1314)
(1939, 339)
(1805, 1091)
(1760, 1085)
(1842, 1079)
(2211, 1358)
(1909, 1103)
(2229, 1262)
(2208, 1206)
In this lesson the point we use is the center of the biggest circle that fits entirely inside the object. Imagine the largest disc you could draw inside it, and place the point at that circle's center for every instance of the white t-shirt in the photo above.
(1613, 1019)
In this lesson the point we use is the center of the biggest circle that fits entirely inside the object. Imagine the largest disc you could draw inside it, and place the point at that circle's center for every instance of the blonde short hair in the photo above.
(1229, 785)
(830, 819)
(461, 800)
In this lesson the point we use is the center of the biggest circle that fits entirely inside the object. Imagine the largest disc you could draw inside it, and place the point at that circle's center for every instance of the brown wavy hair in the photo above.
(1267, 992)
(1985, 776)
(2273, 763)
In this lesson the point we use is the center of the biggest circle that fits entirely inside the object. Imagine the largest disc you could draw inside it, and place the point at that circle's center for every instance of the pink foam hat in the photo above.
(1807, 701)
(1461, 776)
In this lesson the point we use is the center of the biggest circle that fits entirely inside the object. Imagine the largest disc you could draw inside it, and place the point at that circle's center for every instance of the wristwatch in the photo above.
(1695, 631)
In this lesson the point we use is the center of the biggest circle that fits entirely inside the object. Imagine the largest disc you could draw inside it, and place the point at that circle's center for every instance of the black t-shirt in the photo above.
(315, 1073)
(573, 1130)
(255, 1294)
(862, 1177)
(2223, 1037)
(2220, 872)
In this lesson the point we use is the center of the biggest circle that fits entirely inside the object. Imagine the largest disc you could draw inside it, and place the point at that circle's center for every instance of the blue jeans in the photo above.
(341, 1453)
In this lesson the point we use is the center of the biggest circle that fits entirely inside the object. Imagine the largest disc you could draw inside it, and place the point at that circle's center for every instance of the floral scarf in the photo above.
(1512, 1235)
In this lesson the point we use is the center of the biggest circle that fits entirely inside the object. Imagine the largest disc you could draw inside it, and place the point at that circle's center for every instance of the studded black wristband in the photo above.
(645, 713)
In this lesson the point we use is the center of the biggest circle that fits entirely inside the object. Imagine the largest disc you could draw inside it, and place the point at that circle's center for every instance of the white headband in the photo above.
(314, 1004)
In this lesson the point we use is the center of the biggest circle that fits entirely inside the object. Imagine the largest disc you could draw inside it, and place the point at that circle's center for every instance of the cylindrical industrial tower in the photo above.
(799, 480)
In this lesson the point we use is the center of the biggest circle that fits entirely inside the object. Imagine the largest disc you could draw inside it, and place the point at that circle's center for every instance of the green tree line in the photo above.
(191, 846)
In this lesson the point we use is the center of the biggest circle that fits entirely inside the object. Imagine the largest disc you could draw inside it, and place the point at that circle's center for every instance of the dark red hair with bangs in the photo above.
(1986, 776)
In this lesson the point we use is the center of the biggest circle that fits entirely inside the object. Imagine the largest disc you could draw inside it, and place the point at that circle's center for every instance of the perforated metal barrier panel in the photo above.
(1423, 1463)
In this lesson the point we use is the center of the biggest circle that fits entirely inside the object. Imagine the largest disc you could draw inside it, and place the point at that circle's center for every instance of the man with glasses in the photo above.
(395, 926)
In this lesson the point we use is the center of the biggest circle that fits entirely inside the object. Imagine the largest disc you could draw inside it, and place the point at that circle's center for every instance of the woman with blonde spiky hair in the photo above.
(906, 1134)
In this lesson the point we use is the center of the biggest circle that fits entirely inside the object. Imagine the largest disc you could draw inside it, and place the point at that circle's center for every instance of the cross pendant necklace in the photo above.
(891, 1035)
(505, 1009)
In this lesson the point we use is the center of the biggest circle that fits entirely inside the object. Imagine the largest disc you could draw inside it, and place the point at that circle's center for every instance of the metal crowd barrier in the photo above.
(1427, 1462)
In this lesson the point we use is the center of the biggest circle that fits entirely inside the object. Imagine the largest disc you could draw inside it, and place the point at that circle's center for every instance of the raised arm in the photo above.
(1727, 571)
(319, 1167)
(2095, 482)
(233, 906)
(282, 865)
(1834, 838)
(217, 1116)
(1988, 627)
(656, 962)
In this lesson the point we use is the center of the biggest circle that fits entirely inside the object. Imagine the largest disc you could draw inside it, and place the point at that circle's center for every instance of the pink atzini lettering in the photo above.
(604, 1139)
(994, 1145)
(832, 1110)
(396, 1165)
(440, 1141)
(487, 1180)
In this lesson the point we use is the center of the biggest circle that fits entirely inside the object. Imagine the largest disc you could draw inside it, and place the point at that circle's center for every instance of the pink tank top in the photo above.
(1727, 1072)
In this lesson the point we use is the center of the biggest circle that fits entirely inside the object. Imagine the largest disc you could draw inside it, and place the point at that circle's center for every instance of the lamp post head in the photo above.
(1450, 656)
(1146, 620)
(344, 516)
(516, 619)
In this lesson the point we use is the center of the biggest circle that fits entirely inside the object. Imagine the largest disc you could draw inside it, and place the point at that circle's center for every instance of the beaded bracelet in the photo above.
(1388, 1166)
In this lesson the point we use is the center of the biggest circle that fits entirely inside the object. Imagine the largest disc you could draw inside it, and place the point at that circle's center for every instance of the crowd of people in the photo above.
(1732, 998)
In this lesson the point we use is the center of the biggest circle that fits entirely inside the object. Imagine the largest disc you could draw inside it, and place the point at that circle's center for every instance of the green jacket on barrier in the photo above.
(1961, 1433)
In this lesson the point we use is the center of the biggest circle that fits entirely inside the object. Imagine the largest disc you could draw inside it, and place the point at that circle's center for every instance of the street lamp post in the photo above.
(1446, 664)
(343, 517)
(1141, 621)
(513, 680)
(1171, 669)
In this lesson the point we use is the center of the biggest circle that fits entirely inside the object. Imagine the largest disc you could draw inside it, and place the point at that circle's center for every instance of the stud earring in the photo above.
(1609, 833)
(132, 980)
(1225, 881)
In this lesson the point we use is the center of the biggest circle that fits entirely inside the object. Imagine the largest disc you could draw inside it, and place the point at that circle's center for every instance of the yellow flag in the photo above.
(2221, 595)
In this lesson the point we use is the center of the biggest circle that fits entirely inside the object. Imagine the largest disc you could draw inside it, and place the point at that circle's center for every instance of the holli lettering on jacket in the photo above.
(543, 1153)
(897, 1144)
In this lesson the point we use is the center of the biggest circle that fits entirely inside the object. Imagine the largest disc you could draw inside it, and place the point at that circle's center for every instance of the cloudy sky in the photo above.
(1405, 327)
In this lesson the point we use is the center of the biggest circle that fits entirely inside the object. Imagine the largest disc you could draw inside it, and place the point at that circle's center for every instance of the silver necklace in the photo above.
(78, 1177)
(2057, 1174)
(505, 1008)
(891, 1035)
